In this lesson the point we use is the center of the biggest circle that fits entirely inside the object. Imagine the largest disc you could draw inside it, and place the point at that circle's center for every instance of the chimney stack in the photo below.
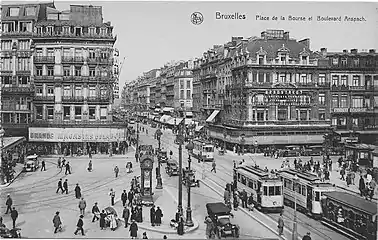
(305, 42)
(345, 51)
(286, 35)
(323, 51)
(371, 50)
(354, 51)
(264, 35)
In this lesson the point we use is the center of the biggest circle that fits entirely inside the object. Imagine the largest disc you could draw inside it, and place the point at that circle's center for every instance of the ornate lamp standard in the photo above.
(296, 185)
(137, 143)
(189, 221)
(1, 154)
(224, 138)
(242, 142)
(180, 141)
(159, 184)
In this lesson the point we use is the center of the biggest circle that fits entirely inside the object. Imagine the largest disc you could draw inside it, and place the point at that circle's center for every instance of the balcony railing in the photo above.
(18, 89)
(17, 33)
(78, 59)
(78, 122)
(14, 107)
(339, 88)
(98, 99)
(358, 88)
(280, 122)
(44, 59)
(73, 35)
(67, 59)
(73, 98)
(257, 84)
(44, 98)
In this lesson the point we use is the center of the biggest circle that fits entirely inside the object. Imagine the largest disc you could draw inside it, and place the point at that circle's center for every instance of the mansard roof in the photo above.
(70, 23)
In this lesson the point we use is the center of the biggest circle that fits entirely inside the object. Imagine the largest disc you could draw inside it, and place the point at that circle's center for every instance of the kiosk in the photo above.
(146, 165)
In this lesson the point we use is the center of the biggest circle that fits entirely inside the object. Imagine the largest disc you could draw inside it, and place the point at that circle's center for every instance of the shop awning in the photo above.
(168, 109)
(9, 142)
(164, 118)
(198, 128)
(189, 114)
(173, 120)
(212, 116)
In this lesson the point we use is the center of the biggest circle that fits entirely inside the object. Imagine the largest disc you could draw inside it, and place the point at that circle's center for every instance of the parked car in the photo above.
(31, 163)
(163, 156)
(313, 151)
(171, 169)
(220, 214)
(291, 151)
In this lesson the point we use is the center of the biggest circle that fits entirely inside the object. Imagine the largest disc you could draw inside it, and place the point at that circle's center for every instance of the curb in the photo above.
(8, 184)
(249, 214)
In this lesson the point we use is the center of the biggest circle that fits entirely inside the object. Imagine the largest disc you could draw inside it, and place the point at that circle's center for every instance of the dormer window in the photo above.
(66, 30)
(14, 11)
(103, 31)
(78, 31)
(344, 62)
(49, 30)
(356, 62)
(283, 58)
(305, 59)
(39, 30)
(92, 31)
(335, 61)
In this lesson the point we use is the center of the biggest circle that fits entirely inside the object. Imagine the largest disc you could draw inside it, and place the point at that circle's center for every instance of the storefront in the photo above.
(360, 153)
(14, 149)
(69, 141)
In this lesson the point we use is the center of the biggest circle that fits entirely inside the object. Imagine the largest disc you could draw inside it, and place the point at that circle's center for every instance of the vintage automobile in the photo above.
(290, 151)
(313, 151)
(31, 163)
(189, 176)
(172, 169)
(163, 156)
(220, 214)
(9, 233)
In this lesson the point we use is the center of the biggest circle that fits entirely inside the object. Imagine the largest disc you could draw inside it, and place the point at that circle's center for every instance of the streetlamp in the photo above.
(1, 154)
(242, 141)
(224, 138)
(137, 143)
(159, 184)
(189, 221)
(294, 234)
(180, 141)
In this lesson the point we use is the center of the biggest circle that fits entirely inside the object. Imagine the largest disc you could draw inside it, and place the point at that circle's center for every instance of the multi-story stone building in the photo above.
(277, 95)
(183, 86)
(116, 73)
(74, 82)
(354, 90)
(197, 90)
(17, 22)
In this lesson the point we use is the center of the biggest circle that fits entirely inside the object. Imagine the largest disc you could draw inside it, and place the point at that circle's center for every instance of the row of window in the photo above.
(16, 117)
(296, 187)
(353, 62)
(342, 121)
(69, 90)
(77, 31)
(78, 52)
(21, 80)
(17, 27)
(355, 102)
(22, 64)
(253, 184)
(78, 111)
(22, 45)
(70, 71)
(356, 80)
(15, 11)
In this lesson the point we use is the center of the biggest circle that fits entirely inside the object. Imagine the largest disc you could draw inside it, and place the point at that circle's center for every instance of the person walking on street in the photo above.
(307, 236)
(280, 225)
(68, 168)
(133, 230)
(112, 196)
(82, 206)
(65, 186)
(126, 215)
(361, 186)
(77, 191)
(158, 216)
(102, 219)
(59, 162)
(80, 225)
(213, 165)
(43, 168)
(130, 196)
(244, 198)
(342, 173)
(57, 222)
(116, 171)
(14, 216)
(95, 212)
(90, 165)
(60, 186)
(63, 163)
(124, 198)
(152, 215)
(9, 203)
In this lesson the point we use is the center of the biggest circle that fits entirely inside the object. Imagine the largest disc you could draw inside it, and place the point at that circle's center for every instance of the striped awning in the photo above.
(165, 118)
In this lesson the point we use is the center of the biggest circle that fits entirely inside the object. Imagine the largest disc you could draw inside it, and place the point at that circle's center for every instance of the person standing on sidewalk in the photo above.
(124, 198)
(59, 162)
(68, 168)
(80, 225)
(63, 163)
(112, 196)
(43, 168)
(130, 196)
(95, 212)
(60, 187)
(77, 191)
(152, 215)
(65, 186)
(158, 216)
(14, 216)
(244, 198)
(280, 225)
(342, 173)
(361, 186)
(57, 222)
(116, 171)
(133, 230)
(82, 206)
(90, 165)
(213, 165)
(9, 203)
(126, 215)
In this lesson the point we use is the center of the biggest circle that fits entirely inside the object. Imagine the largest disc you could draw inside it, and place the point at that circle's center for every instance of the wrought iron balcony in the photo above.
(67, 59)
(44, 98)
(339, 88)
(358, 88)
(280, 122)
(44, 59)
(12, 106)
(73, 98)
(78, 59)
(27, 89)
(72, 35)
(78, 122)
(98, 99)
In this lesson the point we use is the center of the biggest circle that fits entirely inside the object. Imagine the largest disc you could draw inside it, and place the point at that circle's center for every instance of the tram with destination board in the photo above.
(350, 214)
(203, 150)
(306, 189)
(265, 187)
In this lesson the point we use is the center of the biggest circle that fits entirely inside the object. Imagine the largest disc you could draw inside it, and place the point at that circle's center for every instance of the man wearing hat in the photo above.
(80, 225)
(307, 236)
(9, 203)
(57, 222)
(95, 212)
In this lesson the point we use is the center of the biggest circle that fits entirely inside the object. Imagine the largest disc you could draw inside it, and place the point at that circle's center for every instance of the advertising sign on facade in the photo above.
(76, 134)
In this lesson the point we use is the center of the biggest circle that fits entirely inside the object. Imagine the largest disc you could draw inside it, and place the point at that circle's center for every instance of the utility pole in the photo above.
(179, 138)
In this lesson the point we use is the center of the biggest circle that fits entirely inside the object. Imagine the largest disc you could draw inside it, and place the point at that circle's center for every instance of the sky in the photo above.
(150, 34)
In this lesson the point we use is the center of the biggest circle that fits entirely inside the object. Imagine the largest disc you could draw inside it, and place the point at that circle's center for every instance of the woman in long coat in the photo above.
(158, 216)
(133, 230)
(139, 217)
(133, 213)
(113, 222)
(77, 191)
(102, 219)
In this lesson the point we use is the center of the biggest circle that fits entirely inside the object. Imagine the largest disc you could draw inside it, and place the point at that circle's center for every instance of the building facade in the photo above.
(74, 82)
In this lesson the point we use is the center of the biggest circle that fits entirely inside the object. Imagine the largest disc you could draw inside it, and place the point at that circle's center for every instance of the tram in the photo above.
(306, 189)
(203, 150)
(352, 215)
(265, 187)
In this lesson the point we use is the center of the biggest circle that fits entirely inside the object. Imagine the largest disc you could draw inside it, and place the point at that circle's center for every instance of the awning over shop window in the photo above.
(212, 116)
(198, 128)
(165, 118)
(189, 114)
(168, 109)
(173, 120)
(9, 142)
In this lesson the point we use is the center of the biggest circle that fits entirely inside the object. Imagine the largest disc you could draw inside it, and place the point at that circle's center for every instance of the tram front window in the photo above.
(265, 191)
(278, 190)
(271, 191)
(317, 196)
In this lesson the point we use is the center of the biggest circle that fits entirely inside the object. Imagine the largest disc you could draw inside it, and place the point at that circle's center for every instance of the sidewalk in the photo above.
(18, 170)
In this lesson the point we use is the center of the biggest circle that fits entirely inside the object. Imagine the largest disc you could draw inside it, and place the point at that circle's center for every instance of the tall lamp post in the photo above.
(295, 233)
(189, 221)
(224, 138)
(137, 143)
(1, 154)
(242, 142)
(159, 184)
(180, 141)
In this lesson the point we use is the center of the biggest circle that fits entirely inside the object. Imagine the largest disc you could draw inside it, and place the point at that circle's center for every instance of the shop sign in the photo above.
(76, 134)
(357, 110)
(340, 110)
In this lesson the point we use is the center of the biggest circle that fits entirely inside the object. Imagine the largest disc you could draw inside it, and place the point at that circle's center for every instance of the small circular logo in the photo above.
(196, 18)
